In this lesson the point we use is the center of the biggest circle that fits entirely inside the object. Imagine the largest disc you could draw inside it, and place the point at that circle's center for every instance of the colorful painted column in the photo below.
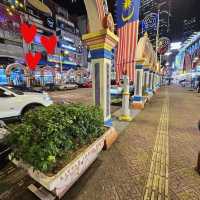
(154, 82)
(147, 82)
(151, 81)
(101, 45)
(137, 99)
(157, 77)
(157, 80)
(125, 116)
(160, 79)
(146, 79)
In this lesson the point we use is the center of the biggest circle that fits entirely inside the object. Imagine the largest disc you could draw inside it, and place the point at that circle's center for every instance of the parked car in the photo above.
(14, 103)
(87, 84)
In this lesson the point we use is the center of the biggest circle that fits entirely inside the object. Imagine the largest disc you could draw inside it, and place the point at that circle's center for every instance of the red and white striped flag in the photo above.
(127, 29)
(125, 55)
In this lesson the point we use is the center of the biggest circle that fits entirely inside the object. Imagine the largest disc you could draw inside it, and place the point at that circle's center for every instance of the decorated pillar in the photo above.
(101, 44)
(151, 81)
(138, 94)
(154, 81)
(157, 82)
(160, 79)
(146, 79)
(125, 116)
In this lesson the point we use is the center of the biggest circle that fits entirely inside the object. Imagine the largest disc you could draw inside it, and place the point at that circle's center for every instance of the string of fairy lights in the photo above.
(15, 4)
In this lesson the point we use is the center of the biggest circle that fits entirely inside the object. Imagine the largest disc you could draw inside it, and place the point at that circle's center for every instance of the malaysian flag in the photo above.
(127, 29)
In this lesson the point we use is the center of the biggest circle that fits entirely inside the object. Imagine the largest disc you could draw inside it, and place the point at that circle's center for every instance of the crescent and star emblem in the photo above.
(126, 6)
(126, 18)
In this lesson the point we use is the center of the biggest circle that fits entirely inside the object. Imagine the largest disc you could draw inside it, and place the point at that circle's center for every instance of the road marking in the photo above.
(157, 182)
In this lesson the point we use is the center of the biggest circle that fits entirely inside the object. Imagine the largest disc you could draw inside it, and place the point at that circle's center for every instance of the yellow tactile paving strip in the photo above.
(157, 183)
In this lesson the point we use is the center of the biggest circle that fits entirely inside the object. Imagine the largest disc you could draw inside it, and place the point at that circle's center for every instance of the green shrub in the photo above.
(47, 134)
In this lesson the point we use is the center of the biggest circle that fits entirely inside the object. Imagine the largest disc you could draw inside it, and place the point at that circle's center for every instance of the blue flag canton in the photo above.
(127, 11)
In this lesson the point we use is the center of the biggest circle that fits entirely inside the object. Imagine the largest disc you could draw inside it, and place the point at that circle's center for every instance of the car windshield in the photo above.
(16, 91)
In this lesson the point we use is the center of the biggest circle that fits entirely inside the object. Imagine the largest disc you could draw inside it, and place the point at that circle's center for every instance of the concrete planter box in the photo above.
(110, 137)
(61, 182)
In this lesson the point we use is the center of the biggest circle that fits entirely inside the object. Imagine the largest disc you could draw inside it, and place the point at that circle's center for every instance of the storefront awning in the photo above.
(40, 6)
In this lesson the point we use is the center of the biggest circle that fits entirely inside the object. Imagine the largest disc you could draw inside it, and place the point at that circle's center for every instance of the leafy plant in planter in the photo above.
(48, 134)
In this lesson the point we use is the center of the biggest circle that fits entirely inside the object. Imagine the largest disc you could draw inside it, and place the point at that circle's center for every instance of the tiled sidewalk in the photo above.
(122, 172)
(158, 183)
(184, 144)
(156, 151)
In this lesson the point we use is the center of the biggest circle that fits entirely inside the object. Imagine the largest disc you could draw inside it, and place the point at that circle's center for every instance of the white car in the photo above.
(14, 103)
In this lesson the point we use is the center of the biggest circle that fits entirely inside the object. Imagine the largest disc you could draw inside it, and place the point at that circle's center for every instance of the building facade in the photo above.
(190, 26)
(153, 6)
(49, 20)
(11, 44)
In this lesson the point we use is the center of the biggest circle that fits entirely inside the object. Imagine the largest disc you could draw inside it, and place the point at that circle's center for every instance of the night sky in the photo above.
(180, 10)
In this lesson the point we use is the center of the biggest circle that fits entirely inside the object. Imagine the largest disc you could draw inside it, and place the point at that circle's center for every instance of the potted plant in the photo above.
(58, 143)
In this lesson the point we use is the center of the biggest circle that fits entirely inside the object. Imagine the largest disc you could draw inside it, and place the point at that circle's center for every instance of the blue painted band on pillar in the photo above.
(108, 123)
(137, 98)
(101, 53)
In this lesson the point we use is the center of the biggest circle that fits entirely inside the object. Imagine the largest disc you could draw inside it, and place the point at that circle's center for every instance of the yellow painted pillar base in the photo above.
(126, 118)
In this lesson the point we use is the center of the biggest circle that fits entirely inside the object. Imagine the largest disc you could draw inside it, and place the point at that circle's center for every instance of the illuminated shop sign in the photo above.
(64, 45)
(68, 39)
(68, 47)
(58, 59)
